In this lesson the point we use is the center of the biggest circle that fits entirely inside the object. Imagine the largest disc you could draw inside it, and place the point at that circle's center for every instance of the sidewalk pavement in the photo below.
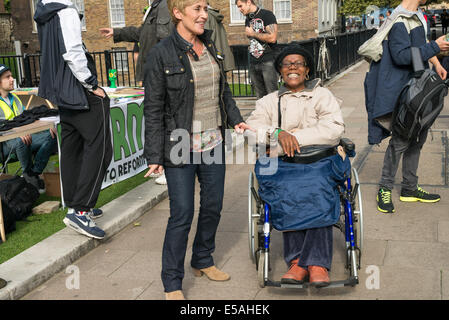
(408, 250)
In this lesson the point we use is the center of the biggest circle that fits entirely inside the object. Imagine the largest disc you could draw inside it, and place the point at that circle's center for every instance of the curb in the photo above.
(37, 264)
(34, 266)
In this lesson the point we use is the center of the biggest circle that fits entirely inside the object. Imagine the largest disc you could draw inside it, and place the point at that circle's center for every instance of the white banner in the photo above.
(127, 136)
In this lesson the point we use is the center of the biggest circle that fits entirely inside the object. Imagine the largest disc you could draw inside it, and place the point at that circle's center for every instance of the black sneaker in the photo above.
(384, 203)
(418, 195)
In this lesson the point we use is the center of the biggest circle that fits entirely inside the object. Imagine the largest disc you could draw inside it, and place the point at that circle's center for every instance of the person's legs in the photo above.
(410, 162)
(181, 190)
(71, 155)
(270, 76)
(396, 147)
(43, 144)
(317, 248)
(22, 151)
(255, 73)
(293, 244)
(93, 126)
(211, 178)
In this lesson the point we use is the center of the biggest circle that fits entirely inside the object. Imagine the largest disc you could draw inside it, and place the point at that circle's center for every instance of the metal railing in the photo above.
(340, 51)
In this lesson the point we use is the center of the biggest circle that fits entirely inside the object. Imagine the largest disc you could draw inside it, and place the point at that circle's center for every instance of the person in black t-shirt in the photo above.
(261, 29)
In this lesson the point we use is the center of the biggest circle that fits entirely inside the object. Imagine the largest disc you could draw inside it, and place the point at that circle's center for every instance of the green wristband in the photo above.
(276, 133)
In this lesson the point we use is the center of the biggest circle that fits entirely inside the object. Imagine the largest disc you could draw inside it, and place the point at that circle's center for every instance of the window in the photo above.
(79, 4)
(117, 13)
(282, 10)
(33, 4)
(120, 59)
(236, 16)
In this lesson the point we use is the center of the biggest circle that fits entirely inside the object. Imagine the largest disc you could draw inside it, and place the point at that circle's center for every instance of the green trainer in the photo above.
(384, 203)
(419, 195)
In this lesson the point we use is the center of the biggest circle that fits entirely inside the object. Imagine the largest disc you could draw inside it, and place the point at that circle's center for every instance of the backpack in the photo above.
(372, 49)
(420, 102)
(18, 198)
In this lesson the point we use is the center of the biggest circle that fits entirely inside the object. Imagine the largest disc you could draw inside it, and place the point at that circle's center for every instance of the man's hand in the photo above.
(442, 43)
(27, 139)
(241, 127)
(53, 133)
(441, 72)
(154, 168)
(107, 32)
(289, 143)
(249, 32)
(99, 92)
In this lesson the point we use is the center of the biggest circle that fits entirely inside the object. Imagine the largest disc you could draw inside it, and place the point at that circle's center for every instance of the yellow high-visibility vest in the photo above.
(8, 112)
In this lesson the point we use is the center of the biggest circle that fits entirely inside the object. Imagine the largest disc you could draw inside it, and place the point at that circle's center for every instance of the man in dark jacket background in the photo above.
(383, 85)
(156, 26)
(69, 80)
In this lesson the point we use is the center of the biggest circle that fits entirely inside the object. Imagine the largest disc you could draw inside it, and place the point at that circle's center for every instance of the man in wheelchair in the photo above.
(303, 195)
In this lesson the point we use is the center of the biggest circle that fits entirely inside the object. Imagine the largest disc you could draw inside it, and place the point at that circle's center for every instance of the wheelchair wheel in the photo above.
(253, 217)
(358, 212)
(261, 270)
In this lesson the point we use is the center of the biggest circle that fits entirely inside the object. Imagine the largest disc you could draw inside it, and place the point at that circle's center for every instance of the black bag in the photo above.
(420, 102)
(18, 198)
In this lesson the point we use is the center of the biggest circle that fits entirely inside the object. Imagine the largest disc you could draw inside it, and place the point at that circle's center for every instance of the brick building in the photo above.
(298, 20)
(6, 46)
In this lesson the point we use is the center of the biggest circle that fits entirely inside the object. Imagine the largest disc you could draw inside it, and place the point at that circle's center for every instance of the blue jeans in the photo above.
(181, 190)
(43, 145)
(264, 77)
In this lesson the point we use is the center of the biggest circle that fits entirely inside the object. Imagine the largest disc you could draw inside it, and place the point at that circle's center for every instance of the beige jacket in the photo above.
(313, 115)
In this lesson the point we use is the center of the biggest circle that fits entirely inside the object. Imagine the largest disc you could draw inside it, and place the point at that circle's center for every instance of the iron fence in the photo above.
(341, 53)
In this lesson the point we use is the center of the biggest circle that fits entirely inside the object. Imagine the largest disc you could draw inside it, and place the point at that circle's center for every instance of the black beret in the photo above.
(295, 49)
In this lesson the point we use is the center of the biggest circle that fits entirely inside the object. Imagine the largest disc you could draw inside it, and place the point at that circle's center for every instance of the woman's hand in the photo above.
(289, 143)
(241, 127)
(154, 168)
(341, 152)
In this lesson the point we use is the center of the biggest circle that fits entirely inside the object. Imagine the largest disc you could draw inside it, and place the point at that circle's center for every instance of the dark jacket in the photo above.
(387, 77)
(219, 37)
(170, 93)
(156, 26)
(66, 69)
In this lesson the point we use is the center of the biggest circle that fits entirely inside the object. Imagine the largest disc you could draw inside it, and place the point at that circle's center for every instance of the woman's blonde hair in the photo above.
(180, 5)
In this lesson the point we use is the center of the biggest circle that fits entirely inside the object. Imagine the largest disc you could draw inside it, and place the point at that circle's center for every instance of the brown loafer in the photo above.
(212, 273)
(318, 276)
(295, 274)
(174, 295)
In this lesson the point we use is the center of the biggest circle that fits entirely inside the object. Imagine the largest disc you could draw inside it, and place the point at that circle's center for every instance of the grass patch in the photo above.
(241, 90)
(38, 227)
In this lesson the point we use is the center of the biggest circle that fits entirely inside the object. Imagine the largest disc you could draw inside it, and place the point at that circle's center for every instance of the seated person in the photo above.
(310, 115)
(42, 143)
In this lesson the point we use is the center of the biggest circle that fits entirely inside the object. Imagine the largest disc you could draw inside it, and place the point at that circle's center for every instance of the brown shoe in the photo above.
(295, 274)
(212, 273)
(318, 276)
(174, 295)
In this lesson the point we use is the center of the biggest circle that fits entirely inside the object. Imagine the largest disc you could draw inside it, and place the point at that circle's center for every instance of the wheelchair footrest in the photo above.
(333, 284)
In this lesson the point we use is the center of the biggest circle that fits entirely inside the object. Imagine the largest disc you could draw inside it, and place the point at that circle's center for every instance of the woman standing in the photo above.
(188, 106)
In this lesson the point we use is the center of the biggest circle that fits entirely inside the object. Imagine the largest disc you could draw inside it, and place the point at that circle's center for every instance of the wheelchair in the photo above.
(350, 223)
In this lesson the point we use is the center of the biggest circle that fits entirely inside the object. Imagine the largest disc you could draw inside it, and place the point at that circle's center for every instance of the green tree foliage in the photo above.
(7, 5)
(358, 7)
